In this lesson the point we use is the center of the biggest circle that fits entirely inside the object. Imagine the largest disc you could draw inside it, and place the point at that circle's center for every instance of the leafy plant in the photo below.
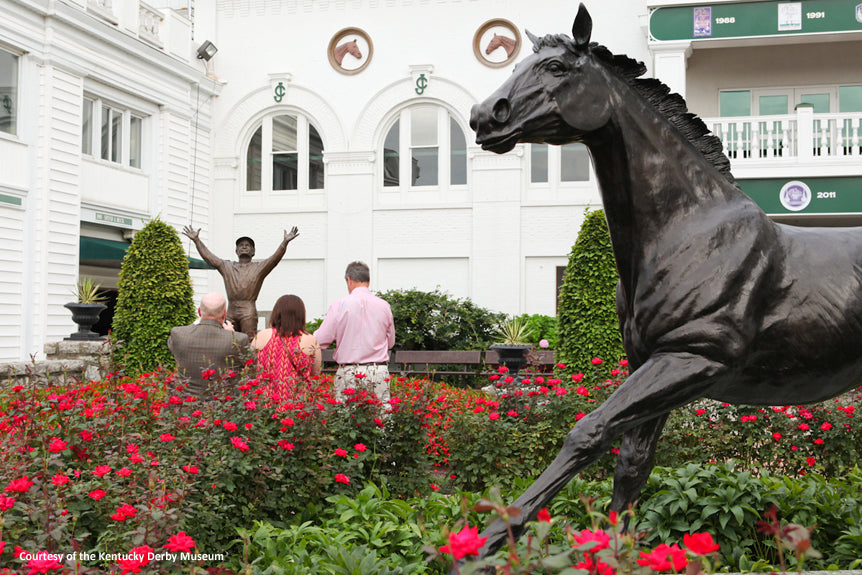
(541, 327)
(437, 321)
(513, 331)
(588, 325)
(155, 295)
(88, 291)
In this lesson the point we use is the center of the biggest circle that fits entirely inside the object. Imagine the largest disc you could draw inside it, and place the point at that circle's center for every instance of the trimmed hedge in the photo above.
(155, 294)
(587, 322)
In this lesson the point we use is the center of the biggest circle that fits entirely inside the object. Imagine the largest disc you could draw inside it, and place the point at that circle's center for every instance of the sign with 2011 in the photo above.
(819, 195)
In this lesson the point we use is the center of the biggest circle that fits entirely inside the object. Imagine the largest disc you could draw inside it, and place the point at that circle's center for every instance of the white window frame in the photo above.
(445, 118)
(555, 181)
(16, 114)
(795, 95)
(126, 114)
(267, 155)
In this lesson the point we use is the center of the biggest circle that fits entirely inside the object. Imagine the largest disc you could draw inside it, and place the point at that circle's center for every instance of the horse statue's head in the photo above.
(556, 95)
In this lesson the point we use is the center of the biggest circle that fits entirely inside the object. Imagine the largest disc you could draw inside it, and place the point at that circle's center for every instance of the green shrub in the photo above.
(541, 327)
(155, 294)
(587, 320)
(437, 321)
(387, 534)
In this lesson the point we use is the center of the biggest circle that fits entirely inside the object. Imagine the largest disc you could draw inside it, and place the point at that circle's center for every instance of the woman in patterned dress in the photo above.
(287, 355)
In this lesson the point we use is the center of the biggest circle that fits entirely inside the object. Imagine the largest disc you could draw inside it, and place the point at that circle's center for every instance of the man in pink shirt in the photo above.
(363, 327)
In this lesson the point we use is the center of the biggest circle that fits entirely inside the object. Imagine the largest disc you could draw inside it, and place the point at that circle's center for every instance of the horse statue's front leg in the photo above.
(635, 463)
(665, 382)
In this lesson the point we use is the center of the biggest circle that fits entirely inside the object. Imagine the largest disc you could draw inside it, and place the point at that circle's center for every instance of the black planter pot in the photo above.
(86, 315)
(513, 356)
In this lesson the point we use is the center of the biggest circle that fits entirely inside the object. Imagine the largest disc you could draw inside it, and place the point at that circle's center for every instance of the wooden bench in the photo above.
(424, 363)
(438, 362)
(329, 365)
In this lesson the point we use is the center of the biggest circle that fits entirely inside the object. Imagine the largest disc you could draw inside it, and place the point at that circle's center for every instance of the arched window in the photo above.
(285, 153)
(424, 148)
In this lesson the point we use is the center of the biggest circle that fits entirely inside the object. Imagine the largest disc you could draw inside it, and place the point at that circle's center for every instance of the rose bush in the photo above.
(131, 463)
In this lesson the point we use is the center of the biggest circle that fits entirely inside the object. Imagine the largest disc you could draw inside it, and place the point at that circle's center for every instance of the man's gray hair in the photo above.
(358, 272)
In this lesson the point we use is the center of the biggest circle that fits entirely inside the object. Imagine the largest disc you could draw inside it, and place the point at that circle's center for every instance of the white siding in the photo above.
(11, 280)
(59, 204)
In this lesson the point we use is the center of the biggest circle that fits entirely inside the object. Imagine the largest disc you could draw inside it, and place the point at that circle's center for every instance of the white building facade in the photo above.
(350, 120)
(102, 105)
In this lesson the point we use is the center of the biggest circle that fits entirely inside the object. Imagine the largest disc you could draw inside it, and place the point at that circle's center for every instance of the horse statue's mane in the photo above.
(671, 105)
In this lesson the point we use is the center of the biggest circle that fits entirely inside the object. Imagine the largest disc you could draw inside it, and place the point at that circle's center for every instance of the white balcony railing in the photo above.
(802, 136)
(149, 24)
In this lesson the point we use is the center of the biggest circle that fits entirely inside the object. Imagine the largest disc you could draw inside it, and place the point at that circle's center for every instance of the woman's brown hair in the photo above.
(288, 316)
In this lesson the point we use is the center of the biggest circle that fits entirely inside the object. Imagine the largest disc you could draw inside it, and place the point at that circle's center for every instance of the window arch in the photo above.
(424, 148)
(284, 154)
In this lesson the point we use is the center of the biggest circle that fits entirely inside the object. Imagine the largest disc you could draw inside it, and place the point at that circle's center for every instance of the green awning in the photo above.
(110, 253)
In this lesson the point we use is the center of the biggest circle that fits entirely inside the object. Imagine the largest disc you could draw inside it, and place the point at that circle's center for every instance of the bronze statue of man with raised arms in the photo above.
(242, 279)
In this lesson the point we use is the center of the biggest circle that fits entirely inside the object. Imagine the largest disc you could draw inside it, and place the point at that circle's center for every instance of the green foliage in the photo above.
(368, 533)
(88, 291)
(527, 425)
(729, 504)
(435, 320)
(513, 331)
(588, 325)
(388, 533)
(541, 327)
(791, 440)
(155, 295)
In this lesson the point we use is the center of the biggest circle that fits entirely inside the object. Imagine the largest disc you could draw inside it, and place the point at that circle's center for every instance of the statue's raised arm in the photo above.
(206, 254)
(269, 264)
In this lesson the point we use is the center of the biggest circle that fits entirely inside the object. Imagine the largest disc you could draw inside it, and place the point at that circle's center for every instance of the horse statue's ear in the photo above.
(582, 29)
(532, 38)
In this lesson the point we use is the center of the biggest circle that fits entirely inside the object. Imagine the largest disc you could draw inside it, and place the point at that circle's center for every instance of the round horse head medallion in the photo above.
(350, 50)
(497, 43)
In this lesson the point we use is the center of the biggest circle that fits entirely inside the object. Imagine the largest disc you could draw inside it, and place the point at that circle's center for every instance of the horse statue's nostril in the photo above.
(501, 111)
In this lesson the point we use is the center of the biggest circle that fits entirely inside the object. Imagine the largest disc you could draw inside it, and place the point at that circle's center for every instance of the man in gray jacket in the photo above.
(207, 350)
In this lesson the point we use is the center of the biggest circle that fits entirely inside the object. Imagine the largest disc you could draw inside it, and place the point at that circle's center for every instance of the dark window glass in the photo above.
(253, 175)
(315, 159)
(457, 154)
(390, 156)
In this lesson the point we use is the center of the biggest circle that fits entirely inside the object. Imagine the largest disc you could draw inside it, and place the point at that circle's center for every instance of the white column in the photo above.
(669, 63)
(497, 258)
(349, 218)
(804, 133)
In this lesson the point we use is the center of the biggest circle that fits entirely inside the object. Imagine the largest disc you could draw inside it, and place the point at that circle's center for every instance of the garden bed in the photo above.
(124, 463)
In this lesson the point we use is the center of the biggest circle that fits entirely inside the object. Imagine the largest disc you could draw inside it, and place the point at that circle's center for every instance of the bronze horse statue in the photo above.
(714, 300)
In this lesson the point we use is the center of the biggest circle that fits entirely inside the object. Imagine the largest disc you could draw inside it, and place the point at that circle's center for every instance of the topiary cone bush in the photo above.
(588, 325)
(155, 294)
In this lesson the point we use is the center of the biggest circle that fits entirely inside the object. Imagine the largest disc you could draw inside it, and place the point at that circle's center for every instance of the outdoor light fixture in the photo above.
(207, 51)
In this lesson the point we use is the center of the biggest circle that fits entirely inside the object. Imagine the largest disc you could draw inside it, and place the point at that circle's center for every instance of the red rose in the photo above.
(465, 542)
(700, 543)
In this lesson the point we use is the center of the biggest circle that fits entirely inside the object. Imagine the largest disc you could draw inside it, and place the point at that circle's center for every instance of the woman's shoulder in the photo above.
(306, 339)
(262, 338)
